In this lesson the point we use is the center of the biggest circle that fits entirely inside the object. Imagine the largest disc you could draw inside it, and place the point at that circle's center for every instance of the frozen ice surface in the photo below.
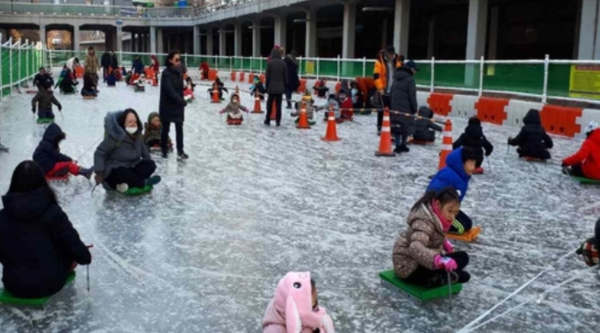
(204, 251)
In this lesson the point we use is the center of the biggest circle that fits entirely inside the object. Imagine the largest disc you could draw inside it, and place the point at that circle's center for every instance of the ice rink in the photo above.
(205, 250)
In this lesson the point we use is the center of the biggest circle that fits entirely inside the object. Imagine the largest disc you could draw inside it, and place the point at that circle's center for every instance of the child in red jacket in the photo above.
(346, 105)
(586, 162)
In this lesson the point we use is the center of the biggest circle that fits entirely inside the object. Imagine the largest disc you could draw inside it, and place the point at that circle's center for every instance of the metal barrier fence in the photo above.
(18, 63)
(539, 79)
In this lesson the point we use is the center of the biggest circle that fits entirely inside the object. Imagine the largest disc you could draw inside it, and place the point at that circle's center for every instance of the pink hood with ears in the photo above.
(291, 311)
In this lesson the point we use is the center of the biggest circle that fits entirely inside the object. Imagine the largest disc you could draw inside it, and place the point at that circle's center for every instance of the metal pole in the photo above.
(481, 68)
(230, 65)
(317, 70)
(1, 67)
(432, 74)
(546, 72)
(260, 63)
(27, 64)
(338, 68)
(19, 62)
(364, 67)
(10, 64)
(300, 67)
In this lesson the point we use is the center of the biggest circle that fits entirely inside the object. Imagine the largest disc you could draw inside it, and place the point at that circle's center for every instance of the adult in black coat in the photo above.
(277, 79)
(473, 138)
(38, 244)
(105, 63)
(172, 105)
(291, 64)
(114, 62)
(404, 105)
(533, 141)
(425, 127)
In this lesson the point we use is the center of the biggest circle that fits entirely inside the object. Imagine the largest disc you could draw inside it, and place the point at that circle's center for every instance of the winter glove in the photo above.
(59, 108)
(448, 248)
(222, 111)
(446, 263)
(246, 110)
(509, 140)
(99, 177)
(33, 110)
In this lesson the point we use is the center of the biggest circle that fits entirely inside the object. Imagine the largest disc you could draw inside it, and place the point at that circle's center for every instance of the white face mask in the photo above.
(131, 130)
(354, 92)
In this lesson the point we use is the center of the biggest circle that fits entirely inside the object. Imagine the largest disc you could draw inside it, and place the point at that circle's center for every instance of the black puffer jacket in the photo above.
(424, 128)
(171, 106)
(404, 99)
(473, 138)
(105, 60)
(276, 74)
(47, 153)
(533, 141)
(292, 72)
(38, 244)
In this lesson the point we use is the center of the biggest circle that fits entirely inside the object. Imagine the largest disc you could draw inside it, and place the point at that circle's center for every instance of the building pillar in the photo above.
(311, 33)
(153, 40)
(237, 39)
(43, 36)
(140, 42)
(493, 41)
(476, 36)
(589, 41)
(196, 39)
(119, 40)
(349, 30)
(401, 26)
(281, 31)
(109, 40)
(222, 41)
(75, 38)
(160, 47)
(209, 41)
(256, 38)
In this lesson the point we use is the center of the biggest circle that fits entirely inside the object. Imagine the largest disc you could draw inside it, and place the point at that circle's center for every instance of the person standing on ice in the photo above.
(460, 165)
(38, 245)
(422, 254)
(403, 105)
(122, 160)
(292, 73)
(276, 79)
(383, 75)
(172, 104)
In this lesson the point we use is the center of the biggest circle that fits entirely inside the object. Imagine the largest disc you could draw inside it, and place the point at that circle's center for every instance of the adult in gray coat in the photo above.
(122, 160)
(277, 79)
(404, 105)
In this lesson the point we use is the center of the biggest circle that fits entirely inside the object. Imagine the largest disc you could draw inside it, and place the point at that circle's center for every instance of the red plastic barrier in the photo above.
(250, 78)
(233, 75)
(212, 74)
(440, 103)
(561, 120)
(491, 110)
(302, 87)
(262, 78)
(242, 76)
(78, 72)
(338, 86)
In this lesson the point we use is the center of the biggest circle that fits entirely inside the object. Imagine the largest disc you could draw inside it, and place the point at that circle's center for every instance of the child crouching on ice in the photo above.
(295, 307)
(310, 110)
(152, 130)
(422, 254)
(234, 111)
(44, 100)
(54, 164)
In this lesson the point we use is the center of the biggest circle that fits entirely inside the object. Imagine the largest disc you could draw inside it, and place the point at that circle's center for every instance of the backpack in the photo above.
(589, 251)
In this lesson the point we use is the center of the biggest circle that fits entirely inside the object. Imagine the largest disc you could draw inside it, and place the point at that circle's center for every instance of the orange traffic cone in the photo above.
(215, 96)
(446, 144)
(274, 111)
(257, 106)
(385, 141)
(331, 133)
(303, 118)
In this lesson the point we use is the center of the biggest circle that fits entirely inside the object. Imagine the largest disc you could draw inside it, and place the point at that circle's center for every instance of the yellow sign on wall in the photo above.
(585, 81)
(310, 67)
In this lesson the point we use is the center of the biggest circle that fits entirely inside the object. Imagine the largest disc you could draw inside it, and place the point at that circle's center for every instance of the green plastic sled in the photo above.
(133, 191)
(586, 180)
(391, 281)
(7, 298)
(45, 120)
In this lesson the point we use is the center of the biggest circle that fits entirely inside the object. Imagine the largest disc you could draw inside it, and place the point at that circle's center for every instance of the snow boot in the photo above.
(122, 187)
(403, 149)
(3, 148)
(182, 156)
(87, 173)
(153, 180)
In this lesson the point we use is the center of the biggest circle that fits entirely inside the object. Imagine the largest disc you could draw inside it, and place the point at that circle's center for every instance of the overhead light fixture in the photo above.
(378, 9)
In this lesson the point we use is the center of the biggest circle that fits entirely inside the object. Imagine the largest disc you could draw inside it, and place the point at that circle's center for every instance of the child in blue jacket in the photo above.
(460, 165)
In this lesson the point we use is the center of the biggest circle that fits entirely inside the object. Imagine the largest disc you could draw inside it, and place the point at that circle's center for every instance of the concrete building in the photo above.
(445, 29)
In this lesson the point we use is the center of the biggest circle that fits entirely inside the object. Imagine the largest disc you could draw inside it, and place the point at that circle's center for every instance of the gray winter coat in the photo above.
(404, 99)
(276, 76)
(118, 148)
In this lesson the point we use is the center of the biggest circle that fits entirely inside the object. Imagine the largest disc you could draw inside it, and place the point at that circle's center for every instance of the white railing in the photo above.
(24, 68)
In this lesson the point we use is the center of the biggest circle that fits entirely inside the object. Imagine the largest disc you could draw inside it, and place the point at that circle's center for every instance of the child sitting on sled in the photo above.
(308, 103)
(424, 127)
(111, 79)
(258, 89)
(44, 100)
(346, 112)
(586, 162)
(473, 138)
(422, 255)
(533, 141)
(219, 86)
(54, 164)
(152, 130)
(139, 84)
(295, 307)
(460, 165)
(331, 104)
(234, 111)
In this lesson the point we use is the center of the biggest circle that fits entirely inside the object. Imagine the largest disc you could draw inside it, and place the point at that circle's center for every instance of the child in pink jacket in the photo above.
(295, 307)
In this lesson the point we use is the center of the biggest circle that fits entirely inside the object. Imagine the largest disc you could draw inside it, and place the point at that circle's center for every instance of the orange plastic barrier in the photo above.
(491, 110)
(338, 86)
(262, 78)
(251, 78)
(242, 76)
(233, 74)
(78, 72)
(150, 76)
(212, 74)
(440, 103)
(561, 120)
(302, 87)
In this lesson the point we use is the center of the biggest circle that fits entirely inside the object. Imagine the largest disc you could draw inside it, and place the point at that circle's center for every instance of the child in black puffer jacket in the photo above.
(473, 138)
(424, 127)
(533, 141)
